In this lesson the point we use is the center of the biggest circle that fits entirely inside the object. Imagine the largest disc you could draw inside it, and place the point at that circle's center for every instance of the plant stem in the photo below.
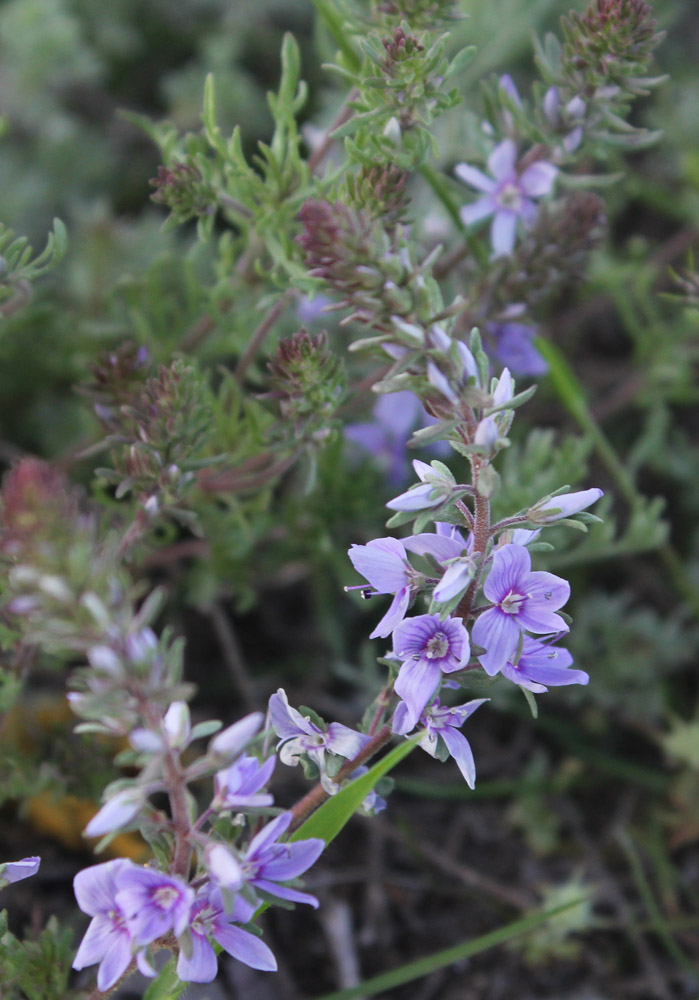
(317, 795)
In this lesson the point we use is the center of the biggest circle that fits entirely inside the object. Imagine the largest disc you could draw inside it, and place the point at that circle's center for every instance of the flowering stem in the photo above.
(317, 795)
(177, 793)
(481, 536)
(381, 703)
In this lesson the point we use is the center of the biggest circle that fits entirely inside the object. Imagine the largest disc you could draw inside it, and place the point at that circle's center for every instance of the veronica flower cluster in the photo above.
(221, 883)
(487, 608)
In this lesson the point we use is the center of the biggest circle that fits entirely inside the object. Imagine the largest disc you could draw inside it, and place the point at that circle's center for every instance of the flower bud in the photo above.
(556, 508)
(115, 813)
(230, 742)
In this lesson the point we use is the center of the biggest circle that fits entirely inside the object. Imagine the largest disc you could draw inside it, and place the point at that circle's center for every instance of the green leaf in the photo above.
(439, 960)
(338, 30)
(327, 821)
(167, 985)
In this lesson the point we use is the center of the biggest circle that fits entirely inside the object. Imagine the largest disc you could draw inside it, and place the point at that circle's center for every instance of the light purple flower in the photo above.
(452, 552)
(428, 647)
(434, 490)
(507, 193)
(153, 903)
(541, 664)
(395, 416)
(522, 600)
(15, 871)
(440, 721)
(511, 345)
(266, 862)
(566, 505)
(238, 787)
(299, 735)
(384, 563)
(197, 962)
(107, 939)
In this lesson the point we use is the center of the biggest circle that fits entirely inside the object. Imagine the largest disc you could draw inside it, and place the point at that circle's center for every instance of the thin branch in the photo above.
(317, 795)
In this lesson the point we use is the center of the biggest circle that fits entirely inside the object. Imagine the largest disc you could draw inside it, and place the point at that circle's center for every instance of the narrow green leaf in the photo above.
(327, 821)
(167, 985)
(338, 30)
(439, 960)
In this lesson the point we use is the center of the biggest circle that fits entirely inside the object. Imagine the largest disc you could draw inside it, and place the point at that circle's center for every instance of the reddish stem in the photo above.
(317, 795)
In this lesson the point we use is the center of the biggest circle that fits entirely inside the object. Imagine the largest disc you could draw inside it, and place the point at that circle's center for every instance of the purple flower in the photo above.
(153, 903)
(299, 735)
(507, 193)
(197, 962)
(511, 345)
(541, 664)
(440, 721)
(429, 647)
(15, 871)
(522, 600)
(384, 563)
(238, 787)
(566, 505)
(266, 862)
(394, 417)
(108, 938)
(452, 552)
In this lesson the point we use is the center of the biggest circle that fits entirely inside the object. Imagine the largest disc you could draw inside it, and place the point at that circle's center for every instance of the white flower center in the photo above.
(437, 647)
(510, 197)
(165, 896)
(512, 603)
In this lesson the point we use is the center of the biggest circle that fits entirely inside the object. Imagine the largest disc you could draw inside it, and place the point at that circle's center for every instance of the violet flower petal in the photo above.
(394, 616)
(538, 179)
(498, 633)
(416, 682)
(244, 946)
(502, 232)
(474, 177)
(501, 161)
(460, 749)
(202, 965)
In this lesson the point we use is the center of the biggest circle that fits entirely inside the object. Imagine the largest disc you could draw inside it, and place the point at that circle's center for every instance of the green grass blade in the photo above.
(327, 821)
(656, 915)
(439, 960)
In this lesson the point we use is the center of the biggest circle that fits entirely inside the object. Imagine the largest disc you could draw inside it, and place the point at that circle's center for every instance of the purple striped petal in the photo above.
(394, 616)
(201, 966)
(511, 563)
(460, 749)
(382, 562)
(416, 682)
(498, 633)
(244, 946)
(296, 859)
(284, 892)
